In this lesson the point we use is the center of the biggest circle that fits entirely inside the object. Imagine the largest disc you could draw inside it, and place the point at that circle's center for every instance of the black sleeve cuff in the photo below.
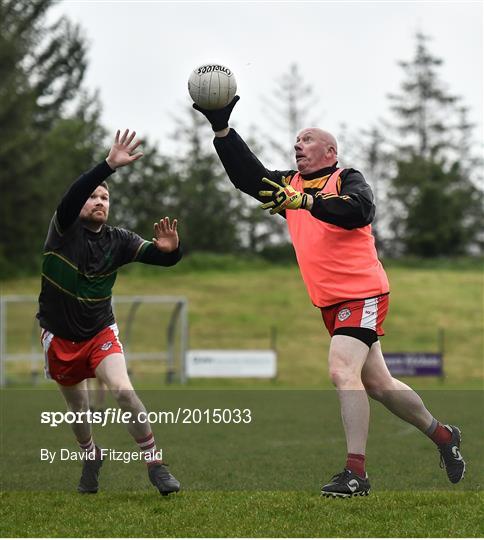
(154, 256)
(105, 168)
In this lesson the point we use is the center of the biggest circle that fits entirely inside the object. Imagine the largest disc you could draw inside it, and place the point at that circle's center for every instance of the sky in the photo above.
(141, 55)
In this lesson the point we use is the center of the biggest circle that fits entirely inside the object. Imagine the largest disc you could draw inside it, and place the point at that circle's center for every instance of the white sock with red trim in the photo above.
(88, 447)
(148, 446)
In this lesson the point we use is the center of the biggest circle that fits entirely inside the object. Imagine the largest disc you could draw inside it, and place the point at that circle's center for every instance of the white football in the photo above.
(212, 86)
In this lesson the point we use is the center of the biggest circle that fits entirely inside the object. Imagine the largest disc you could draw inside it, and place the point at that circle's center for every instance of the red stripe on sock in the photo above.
(144, 439)
(85, 443)
(148, 447)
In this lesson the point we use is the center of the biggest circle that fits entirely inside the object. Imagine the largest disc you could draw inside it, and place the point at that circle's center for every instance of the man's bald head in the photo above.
(315, 149)
(325, 137)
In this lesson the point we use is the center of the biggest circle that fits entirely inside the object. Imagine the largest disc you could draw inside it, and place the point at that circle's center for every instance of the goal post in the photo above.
(152, 329)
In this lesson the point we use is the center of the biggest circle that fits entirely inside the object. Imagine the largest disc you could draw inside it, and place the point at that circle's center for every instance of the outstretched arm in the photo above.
(243, 167)
(165, 249)
(120, 154)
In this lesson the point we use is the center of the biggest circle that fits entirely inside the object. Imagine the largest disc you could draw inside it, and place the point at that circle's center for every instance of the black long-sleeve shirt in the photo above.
(352, 207)
(80, 266)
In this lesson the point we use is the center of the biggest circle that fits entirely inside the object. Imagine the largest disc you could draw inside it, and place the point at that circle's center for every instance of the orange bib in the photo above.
(336, 264)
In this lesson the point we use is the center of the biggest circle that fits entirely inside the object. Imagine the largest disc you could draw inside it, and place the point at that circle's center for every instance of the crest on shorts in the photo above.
(106, 346)
(344, 314)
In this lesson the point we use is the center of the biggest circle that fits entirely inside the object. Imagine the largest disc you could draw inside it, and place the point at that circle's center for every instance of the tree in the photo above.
(424, 109)
(442, 212)
(376, 161)
(436, 206)
(49, 60)
(145, 192)
(208, 207)
(260, 231)
(41, 67)
(289, 110)
(72, 145)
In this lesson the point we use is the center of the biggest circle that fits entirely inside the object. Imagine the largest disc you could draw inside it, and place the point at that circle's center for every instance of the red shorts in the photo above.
(70, 362)
(369, 313)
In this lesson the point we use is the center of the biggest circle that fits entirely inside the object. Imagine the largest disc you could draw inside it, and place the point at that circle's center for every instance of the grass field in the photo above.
(261, 480)
(242, 514)
(234, 304)
(255, 480)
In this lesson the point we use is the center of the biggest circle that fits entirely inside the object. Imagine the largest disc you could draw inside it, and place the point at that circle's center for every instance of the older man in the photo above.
(328, 212)
(79, 333)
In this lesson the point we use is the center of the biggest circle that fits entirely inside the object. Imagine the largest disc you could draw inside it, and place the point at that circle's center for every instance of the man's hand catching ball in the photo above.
(219, 118)
(284, 197)
(166, 236)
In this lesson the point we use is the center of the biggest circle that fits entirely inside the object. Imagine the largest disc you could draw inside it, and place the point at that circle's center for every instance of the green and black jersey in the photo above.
(79, 266)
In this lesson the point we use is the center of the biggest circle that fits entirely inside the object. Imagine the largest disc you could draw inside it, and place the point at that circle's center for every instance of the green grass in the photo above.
(234, 303)
(296, 440)
(241, 514)
(258, 480)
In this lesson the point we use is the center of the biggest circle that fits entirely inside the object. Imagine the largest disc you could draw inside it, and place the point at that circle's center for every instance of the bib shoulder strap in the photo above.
(332, 183)
(296, 182)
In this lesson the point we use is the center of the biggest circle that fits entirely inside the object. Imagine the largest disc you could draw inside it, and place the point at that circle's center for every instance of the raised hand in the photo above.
(166, 236)
(284, 197)
(121, 152)
(219, 118)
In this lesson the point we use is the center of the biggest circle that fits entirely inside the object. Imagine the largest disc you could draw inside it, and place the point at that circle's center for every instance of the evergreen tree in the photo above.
(41, 67)
(442, 211)
(424, 109)
(208, 207)
(71, 146)
(289, 110)
(435, 203)
(144, 193)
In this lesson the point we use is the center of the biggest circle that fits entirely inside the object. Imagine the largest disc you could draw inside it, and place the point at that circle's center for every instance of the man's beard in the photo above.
(95, 218)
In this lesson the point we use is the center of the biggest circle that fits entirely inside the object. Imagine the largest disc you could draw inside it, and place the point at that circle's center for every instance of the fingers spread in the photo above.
(277, 209)
(131, 137)
(267, 205)
(271, 183)
(135, 145)
(170, 226)
(123, 138)
(164, 227)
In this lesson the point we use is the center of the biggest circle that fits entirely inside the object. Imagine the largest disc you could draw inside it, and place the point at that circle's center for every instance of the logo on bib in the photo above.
(106, 346)
(344, 314)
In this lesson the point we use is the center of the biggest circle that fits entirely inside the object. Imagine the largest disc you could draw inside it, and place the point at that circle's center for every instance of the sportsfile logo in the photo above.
(177, 416)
